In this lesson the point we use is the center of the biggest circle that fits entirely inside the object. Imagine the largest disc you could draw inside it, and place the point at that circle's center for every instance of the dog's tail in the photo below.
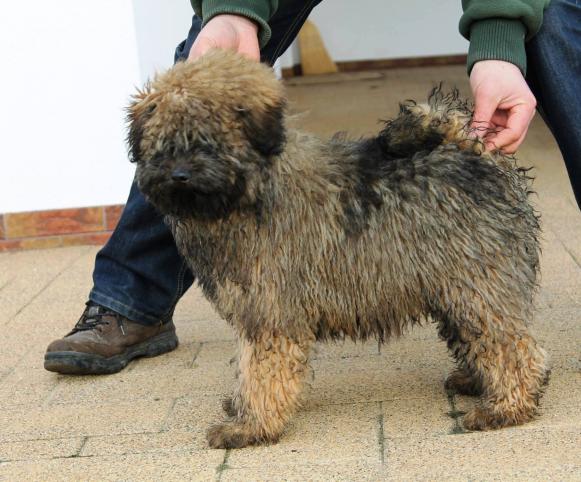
(445, 119)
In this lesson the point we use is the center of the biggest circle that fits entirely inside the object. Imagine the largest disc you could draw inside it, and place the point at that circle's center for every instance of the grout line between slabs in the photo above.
(223, 466)
(381, 434)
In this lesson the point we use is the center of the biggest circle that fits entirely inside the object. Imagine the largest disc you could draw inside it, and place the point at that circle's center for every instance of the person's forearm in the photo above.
(498, 29)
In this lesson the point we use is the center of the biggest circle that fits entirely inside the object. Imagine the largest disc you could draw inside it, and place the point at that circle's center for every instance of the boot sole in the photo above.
(78, 363)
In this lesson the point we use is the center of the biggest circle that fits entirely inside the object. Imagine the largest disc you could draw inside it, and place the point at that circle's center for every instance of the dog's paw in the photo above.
(485, 419)
(232, 435)
(463, 383)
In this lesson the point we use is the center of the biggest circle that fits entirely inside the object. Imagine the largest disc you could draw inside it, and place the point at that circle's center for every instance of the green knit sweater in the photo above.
(497, 29)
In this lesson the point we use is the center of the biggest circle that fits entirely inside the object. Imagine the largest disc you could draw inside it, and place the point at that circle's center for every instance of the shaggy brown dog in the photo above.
(296, 239)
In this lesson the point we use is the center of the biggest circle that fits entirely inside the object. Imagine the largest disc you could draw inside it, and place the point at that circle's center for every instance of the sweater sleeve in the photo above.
(498, 29)
(260, 11)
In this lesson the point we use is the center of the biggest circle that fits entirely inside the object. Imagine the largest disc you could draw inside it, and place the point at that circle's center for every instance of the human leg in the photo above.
(554, 75)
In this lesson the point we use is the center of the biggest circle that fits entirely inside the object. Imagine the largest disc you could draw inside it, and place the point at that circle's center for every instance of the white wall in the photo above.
(160, 26)
(69, 67)
(386, 29)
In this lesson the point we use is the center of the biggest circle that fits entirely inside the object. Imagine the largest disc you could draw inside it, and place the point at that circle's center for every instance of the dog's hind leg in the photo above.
(271, 379)
(498, 355)
(464, 381)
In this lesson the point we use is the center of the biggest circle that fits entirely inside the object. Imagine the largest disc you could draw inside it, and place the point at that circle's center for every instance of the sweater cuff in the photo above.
(257, 10)
(498, 39)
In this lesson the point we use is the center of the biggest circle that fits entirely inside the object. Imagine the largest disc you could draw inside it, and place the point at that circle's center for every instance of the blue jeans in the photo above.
(554, 76)
(139, 272)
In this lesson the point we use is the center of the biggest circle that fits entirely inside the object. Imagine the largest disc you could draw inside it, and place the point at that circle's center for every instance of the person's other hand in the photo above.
(230, 32)
(503, 102)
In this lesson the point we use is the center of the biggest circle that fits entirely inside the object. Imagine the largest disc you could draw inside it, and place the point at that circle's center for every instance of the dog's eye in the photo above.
(156, 160)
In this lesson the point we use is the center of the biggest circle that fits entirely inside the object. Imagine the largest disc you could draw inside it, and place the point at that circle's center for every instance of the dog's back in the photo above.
(362, 237)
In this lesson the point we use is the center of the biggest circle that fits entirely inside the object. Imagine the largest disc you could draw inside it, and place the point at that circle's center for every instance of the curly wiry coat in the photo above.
(296, 239)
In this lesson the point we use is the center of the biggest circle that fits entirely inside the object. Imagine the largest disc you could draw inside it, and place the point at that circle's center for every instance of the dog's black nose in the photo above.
(181, 175)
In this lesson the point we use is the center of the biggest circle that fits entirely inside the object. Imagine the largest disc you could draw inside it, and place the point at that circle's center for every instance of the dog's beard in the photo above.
(186, 200)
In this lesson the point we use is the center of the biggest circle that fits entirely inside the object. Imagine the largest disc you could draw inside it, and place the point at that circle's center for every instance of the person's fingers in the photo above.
(484, 109)
(519, 118)
(511, 148)
(499, 119)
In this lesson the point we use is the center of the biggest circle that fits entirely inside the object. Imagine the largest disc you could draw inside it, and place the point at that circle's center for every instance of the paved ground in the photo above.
(374, 414)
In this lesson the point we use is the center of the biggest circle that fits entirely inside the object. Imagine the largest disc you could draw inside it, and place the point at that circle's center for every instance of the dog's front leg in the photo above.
(271, 378)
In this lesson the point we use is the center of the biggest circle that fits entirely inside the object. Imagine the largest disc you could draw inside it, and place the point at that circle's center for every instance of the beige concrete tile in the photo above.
(52, 312)
(28, 273)
(181, 358)
(174, 466)
(372, 379)
(165, 383)
(204, 330)
(407, 353)
(345, 349)
(143, 443)
(40, 449)
(24, 387)
(221, 352)
(195, 415)
(482, 456)
(195, 307)
(558, 330)
(559, 406)
(324, 436)
(415, 418)
(565, 222)
(354, 470)
(94, 418)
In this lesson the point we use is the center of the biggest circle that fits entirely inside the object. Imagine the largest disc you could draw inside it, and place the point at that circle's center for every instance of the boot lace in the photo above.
(94, 316)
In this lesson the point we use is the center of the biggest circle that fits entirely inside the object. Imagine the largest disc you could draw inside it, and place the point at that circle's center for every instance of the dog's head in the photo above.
(202, 133)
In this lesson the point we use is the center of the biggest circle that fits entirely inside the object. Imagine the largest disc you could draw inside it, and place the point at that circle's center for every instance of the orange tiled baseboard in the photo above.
(57, 228)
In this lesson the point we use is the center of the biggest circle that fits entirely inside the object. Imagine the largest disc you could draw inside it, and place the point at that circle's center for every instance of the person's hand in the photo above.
(230, 32)
(503, 103)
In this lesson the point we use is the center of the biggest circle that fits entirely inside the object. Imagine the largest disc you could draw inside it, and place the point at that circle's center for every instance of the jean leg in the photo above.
(139, 272)
(554, 75)
(285, 26)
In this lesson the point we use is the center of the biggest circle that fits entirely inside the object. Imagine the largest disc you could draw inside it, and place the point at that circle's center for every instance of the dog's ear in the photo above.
(138, 112)
(265, 128)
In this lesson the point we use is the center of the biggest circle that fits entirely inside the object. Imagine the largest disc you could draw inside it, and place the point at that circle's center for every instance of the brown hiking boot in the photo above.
(104, 342)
